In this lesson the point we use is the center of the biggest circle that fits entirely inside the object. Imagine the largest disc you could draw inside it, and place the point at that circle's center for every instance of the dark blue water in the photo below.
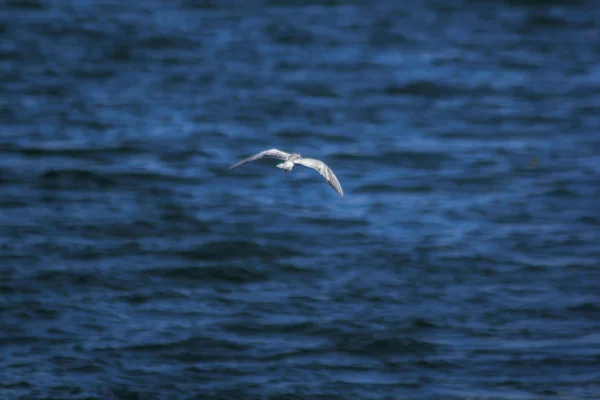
(463, 261)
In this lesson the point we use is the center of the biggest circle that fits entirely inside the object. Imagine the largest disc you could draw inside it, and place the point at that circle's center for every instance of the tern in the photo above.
(294, 158)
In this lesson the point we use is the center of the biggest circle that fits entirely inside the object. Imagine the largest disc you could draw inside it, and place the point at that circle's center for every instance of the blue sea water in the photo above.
(462, 262)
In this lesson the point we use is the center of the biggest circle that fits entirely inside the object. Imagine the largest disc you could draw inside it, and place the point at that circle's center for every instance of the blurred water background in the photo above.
(461, 263)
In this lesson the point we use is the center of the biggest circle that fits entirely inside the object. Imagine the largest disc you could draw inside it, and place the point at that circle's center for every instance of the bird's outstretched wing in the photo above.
(273, 153)
(324, 170)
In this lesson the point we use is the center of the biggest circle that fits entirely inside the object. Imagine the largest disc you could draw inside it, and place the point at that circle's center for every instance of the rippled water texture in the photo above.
(462, 261)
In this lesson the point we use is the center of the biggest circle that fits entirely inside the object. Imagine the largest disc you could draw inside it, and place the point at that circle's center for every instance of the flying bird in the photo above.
(288, 163)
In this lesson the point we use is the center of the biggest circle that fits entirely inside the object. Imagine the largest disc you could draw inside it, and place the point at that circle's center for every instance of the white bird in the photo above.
(288, 163)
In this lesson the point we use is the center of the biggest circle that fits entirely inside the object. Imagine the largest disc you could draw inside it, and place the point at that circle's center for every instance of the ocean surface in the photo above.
(462, 262)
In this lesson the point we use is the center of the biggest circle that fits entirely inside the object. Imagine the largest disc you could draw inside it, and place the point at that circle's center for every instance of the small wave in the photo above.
(71, 279)
(334, 223)
(228, 250)
(304, 3)
(194, 348)
(219, 273)
(586, 308)
(27, 4)
(546, 20)
(313, 89)
(200, 4)
(74, 179)
(427, 160)
(304, 328)
(72, 150)
(376, 188)
(385, 346)
(288, 34)
(421, 88)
